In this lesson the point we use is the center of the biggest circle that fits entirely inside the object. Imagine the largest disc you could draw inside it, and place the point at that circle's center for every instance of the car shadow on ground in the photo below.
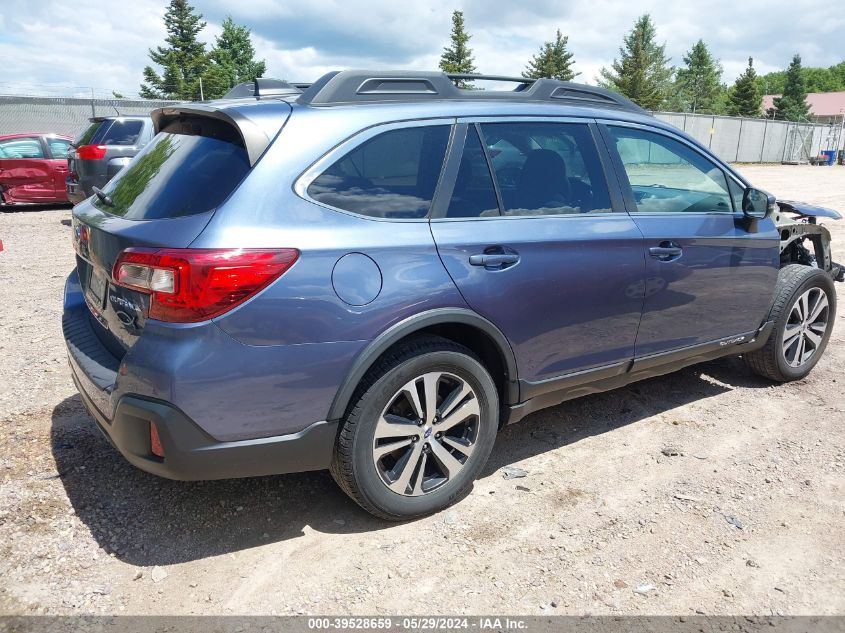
(145, 520)
(21, 208)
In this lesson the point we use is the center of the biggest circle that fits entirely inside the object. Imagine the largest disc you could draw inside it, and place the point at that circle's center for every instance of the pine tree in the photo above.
(234, 55)
(698, 81)
(457, 58)
(641, 72)
(743, 97)
(792, 105)
(553, 61)
(183, 59)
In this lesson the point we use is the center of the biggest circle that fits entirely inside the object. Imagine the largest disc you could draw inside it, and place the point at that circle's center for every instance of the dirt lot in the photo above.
(747, 518)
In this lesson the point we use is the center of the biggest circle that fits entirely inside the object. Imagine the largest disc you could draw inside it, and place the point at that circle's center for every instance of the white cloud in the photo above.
(58, 47)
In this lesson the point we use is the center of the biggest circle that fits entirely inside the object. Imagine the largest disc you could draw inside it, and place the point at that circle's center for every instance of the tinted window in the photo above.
(27, 147)
(86, 136)
(474, 195)
(176, 175)
(666, 176)
(546, 168)
(122, 133)
(392, 175)
(58, 147)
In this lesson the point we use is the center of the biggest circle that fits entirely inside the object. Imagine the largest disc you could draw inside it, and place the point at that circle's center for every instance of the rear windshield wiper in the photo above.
(103, 196)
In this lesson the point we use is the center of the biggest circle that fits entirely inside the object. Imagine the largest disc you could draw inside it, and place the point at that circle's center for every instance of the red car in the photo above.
(33, 168)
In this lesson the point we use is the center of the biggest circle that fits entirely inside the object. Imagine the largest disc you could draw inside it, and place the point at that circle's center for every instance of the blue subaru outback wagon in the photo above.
(374, 273)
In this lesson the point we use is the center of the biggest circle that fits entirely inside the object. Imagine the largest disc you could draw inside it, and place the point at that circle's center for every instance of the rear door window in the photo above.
(176, 175)
(546, 168)
(474, 195)
(58, 147)
(392, 175)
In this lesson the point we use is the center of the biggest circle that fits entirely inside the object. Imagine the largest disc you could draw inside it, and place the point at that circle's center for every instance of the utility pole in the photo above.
(93, 111)
(202, 98)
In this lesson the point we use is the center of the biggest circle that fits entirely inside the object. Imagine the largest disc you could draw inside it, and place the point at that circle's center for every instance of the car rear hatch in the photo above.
(115, 137)
(162, 200)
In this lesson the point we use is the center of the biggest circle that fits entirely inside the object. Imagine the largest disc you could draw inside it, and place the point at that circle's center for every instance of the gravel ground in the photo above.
(709, 490)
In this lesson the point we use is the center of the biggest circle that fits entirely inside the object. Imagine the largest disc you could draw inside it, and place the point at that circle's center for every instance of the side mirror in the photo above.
(757, 204)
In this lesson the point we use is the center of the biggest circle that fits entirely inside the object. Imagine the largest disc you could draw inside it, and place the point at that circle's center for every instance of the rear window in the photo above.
(176, 175)
(84, 137)
(392, 175)
(122, 133)
(111, 132)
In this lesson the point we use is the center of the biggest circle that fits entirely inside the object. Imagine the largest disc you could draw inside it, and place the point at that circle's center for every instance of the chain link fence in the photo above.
(64, 115)
(734, 139)
(741, 140)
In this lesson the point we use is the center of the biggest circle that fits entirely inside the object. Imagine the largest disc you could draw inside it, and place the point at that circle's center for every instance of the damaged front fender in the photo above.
(808, 210)
(797, 222)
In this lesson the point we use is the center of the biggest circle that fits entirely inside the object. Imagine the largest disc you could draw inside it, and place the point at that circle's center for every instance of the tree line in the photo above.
(642, 71)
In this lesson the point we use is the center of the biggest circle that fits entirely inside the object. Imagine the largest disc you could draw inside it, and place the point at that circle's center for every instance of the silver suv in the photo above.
(102, 149)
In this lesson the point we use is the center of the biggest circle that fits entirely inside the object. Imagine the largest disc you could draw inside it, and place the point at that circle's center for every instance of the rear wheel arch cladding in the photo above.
(356, 279)
(412, 326)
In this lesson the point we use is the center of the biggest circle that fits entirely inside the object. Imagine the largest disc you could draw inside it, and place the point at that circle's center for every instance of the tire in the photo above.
(782, 363)
(383, 414)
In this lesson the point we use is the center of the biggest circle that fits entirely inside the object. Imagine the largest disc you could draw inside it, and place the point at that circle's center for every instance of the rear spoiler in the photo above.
(253, 136)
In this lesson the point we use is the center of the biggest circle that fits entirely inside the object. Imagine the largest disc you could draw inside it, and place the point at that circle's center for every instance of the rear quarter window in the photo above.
(392, 175)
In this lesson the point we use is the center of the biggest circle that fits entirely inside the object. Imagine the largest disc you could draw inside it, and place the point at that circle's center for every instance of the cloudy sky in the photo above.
(60, 47)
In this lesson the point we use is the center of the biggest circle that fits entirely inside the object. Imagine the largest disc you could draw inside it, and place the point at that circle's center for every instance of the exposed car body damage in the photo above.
(798, 222)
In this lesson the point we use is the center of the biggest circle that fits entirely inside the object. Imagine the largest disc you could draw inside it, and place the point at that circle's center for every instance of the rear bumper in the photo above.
(81, 188)
(190, 454)
(74, 192)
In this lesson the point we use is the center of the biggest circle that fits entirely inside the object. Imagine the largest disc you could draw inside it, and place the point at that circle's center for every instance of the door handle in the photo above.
(666, 251)
(494, 258)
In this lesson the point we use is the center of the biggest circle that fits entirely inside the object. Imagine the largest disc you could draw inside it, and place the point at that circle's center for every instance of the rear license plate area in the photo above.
(98, 284)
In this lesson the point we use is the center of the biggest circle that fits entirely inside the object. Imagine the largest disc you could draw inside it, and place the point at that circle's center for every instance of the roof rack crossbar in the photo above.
(361, 86)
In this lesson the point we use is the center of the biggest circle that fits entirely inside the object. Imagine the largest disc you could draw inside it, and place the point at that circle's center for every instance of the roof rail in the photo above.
(262, 87)
(362, 86)
(475, 77)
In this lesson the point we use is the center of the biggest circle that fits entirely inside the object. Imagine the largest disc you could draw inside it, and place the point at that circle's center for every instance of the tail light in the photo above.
(81, 237)
(187, 285)
(91, 152)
